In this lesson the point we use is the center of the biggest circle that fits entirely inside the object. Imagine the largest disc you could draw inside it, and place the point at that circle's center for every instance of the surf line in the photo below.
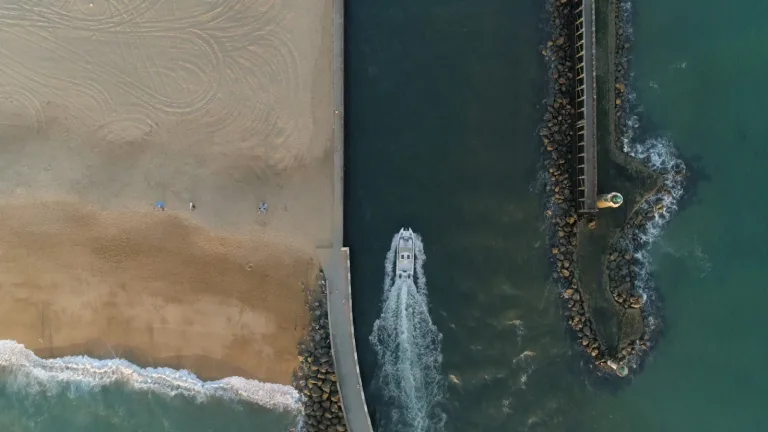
(22, 369)
(625, 264)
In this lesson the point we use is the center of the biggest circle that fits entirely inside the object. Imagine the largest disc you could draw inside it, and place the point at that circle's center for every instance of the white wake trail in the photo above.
(409, 352)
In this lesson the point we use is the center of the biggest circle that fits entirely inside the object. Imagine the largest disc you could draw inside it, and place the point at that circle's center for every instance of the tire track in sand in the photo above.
(19, 101)
(55, 87)
(231, 66)
(100, 71)
(94, 15)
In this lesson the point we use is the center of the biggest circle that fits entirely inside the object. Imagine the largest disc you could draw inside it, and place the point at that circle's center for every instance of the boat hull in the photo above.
(405, 260)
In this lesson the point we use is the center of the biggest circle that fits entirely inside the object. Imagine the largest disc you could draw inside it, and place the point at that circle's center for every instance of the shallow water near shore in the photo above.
(116, 408)
(84, 394)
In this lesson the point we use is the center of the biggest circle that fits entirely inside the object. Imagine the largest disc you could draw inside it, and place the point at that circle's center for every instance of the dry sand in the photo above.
(107, 106)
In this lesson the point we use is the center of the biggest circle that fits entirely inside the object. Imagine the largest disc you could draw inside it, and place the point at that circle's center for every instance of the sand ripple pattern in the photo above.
(20, 109)
(229, 82)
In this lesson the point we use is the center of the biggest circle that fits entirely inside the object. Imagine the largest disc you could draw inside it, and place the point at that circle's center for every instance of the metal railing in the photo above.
(586, 145)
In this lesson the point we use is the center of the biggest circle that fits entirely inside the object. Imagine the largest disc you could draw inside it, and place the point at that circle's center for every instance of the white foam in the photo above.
(26, 372)
(625, 11)
(659, 155)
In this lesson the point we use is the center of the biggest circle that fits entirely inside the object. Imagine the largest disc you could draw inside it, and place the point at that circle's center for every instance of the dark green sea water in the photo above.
(444, 99)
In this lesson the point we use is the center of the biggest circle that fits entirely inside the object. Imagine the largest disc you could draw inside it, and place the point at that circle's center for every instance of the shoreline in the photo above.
(23, 370)
(164, 289)
(227, 106)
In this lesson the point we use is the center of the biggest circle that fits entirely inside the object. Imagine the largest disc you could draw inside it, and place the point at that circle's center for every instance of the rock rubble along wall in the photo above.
(316, 377)
(558, 140)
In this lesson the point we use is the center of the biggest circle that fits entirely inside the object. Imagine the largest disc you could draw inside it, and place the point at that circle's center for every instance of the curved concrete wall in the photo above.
(339, 294)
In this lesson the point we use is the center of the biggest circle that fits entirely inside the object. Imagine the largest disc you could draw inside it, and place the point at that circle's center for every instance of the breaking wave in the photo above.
(24, 371)
(659, 155)
(409, 353)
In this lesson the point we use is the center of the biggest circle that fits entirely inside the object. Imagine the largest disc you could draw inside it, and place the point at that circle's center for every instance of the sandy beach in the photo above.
(108, 107)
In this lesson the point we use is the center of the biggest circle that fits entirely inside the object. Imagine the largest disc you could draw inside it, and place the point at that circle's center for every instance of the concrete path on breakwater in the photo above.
(339, 282)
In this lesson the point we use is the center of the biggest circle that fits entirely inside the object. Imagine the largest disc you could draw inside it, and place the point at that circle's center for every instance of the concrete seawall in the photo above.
(339, 281)
(345, 351)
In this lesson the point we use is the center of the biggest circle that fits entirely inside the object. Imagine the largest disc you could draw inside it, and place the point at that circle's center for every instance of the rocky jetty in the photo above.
(622, 264)
(316, 376)
(557, 138)
(622, 114)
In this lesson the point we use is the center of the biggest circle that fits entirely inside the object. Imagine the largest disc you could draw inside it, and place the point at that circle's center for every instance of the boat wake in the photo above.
(22, 370)
(408, 349)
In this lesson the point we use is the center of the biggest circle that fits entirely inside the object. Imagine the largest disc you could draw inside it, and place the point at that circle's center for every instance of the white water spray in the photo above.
(23, 370)
(660, 156)
(408, 348)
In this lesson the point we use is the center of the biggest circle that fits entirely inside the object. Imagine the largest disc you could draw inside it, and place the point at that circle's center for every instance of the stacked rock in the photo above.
(557, 138)
(557, 134)
(620, 268)
(634, 348)
(316, 376)
(621, 74)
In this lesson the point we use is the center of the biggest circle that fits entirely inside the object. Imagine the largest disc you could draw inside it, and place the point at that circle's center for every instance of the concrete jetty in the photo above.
(586, 142)
(342, 328)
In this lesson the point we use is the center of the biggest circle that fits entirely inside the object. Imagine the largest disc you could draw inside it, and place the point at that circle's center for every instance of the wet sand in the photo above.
(106, 108)
(74, 276)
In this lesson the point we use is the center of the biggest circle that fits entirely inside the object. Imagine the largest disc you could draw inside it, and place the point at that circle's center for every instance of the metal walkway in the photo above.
(586, 143)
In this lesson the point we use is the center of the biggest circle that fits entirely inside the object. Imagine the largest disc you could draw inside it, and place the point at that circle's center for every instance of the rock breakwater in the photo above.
(625, 264)
(558, 139)
(316, 377)
(624, 119)
(628, 264)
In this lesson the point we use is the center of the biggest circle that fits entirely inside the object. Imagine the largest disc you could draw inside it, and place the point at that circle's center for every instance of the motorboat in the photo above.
(405, 254)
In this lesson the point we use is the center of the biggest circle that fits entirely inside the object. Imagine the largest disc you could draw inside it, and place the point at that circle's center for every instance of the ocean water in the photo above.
(444, 98)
